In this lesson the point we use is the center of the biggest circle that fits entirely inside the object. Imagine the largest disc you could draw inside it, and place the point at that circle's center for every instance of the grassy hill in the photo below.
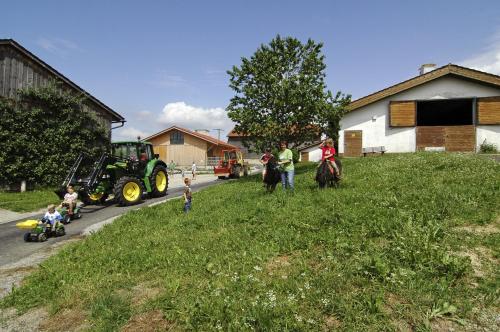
(407, 242)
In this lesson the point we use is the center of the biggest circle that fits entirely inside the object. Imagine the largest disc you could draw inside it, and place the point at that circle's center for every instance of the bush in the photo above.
(488, 147)
(43, 131)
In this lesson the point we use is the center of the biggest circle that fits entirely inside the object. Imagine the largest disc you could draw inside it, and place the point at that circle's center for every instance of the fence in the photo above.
(213, 161)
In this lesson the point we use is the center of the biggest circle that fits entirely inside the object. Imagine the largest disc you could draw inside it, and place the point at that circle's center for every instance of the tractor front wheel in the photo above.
(128, 191)
(159, 181)
(93, 199)
(237, 172)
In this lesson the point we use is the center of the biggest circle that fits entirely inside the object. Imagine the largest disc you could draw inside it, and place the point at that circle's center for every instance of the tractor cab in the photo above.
(133, 151)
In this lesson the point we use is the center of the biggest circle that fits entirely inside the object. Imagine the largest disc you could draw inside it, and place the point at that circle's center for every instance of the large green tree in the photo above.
(42, 131)
(281, 94)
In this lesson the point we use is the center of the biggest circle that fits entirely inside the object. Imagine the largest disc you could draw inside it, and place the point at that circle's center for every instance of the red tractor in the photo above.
(231, 165)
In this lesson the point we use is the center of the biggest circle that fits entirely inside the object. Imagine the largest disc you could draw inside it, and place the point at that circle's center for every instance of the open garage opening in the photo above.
(449, 112)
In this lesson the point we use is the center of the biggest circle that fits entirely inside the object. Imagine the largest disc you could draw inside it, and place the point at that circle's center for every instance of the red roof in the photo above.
(204, 137)
(233, 133)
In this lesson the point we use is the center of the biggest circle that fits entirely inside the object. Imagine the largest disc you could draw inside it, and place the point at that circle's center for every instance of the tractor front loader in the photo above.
(128, 172)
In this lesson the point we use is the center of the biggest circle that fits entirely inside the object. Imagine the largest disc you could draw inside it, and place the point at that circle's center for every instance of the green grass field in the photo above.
(27, 201)
(409, 242)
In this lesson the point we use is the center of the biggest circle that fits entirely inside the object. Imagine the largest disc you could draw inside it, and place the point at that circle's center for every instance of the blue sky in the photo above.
(160, 63)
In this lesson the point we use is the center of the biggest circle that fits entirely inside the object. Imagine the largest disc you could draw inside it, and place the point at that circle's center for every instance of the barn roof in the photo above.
(449, 69)
(206, 138)
(15, 45)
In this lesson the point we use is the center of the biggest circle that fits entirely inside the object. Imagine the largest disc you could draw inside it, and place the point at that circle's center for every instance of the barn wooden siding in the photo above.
(402, 113)
(18, 71)
(488, 111)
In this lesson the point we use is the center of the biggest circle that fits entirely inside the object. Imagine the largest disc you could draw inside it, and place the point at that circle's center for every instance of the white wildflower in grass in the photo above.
(271, 297)
(235, 277)
(218, 326)
(290, 297)
(307, 285)
(257, 268)
(298, 318)
(303, 274)
(311, 321)
(325, 301)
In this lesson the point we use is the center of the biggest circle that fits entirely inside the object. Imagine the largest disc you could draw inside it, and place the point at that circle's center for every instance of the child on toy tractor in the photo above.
(52, 217)
(40, 231)
(69, 209)
(69, 201)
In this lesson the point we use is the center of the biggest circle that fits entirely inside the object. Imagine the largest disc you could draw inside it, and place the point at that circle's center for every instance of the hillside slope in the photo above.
(407, 242)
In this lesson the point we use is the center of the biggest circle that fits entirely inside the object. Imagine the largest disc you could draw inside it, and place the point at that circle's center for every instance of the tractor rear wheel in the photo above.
(128, 191)
(159, 181)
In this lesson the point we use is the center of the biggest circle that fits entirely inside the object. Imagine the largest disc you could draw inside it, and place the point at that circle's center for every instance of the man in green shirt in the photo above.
(287, 170)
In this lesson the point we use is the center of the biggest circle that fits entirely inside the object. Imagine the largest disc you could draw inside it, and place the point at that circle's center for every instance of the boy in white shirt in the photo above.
(52, 217)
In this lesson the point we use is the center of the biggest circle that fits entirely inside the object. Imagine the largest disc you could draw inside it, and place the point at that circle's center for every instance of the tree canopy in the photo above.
(42, 131)
(281, 95)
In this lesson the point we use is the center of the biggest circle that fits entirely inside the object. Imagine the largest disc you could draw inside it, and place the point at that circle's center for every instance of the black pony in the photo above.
(273, 176)
(326, 176)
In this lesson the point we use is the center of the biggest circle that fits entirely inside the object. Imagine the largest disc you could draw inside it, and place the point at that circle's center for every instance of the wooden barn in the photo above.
(451, 108)
(19, 68)
(185, 146)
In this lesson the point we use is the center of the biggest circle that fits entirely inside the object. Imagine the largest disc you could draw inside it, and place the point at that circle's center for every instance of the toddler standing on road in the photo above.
(187, 195)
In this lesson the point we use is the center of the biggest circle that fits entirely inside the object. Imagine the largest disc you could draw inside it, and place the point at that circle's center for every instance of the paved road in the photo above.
(13, 247)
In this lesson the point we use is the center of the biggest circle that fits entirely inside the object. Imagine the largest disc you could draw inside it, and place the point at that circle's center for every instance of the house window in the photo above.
(176, 138)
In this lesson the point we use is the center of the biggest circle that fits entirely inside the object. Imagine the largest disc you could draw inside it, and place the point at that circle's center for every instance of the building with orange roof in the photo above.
(185, 146)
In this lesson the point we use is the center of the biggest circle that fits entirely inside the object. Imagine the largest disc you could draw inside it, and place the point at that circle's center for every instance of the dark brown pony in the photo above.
(325, 175)
(273, 176)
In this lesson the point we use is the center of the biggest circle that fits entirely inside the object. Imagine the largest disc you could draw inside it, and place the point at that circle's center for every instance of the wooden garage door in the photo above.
(304, 156)
(452, 138)
(353, 142)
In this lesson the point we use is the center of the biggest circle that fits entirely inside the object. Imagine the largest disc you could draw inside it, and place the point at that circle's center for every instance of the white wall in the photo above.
(489, 133)
(314, 153)
(373, 119)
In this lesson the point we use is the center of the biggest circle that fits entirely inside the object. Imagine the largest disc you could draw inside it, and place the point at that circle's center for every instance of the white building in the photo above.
(450, 108)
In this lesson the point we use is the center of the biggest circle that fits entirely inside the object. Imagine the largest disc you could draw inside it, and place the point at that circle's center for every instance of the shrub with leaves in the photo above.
(43, 131)
(486, 147)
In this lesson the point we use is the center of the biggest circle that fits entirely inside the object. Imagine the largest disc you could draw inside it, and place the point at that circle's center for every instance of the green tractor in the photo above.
(128, 172)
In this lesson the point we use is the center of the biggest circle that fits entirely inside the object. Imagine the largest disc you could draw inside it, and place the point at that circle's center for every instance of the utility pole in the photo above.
(218, 132)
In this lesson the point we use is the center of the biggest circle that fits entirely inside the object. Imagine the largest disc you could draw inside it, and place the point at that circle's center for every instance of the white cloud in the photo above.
(192, 117)
(488, 60)
(58, 46)
(128, 134)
